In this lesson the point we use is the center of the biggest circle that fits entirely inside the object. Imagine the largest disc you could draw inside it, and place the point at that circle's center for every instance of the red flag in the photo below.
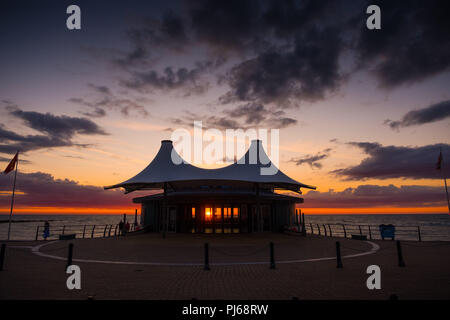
(438, 164)
(12, 164)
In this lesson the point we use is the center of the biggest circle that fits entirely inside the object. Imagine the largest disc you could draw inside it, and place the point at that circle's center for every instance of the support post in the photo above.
(37, 232)
(303, 224)
(104, 231)
(312, 229)
(206, 267)
(338, 255)
(318, 228)
(69, 255)
(401, 262)
(93, 229)
(2, 256)
(325, 229)
(109, 231)
(164, 211)
(360, 231)
(370, 233)
(84, 230)
(345, 232)
(331, 233)
(63, 229)
(16, 157)
(418, 232)
(272, 256)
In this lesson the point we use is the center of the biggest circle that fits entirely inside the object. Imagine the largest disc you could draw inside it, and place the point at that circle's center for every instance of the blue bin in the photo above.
(387, 231)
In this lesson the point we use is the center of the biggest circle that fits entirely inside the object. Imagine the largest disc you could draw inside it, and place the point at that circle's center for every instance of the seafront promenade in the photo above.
(147, 266)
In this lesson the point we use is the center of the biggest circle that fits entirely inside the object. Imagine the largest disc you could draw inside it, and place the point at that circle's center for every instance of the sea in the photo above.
(431, 227)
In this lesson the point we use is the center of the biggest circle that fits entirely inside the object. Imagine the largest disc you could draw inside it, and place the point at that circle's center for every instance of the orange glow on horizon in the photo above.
(208, 211)
(375, 210)
(59, 210)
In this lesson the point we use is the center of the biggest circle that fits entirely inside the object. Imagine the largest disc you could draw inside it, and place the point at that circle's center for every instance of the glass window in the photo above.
(208, 214)
(236, 214)
(227, 214)
(218, 214)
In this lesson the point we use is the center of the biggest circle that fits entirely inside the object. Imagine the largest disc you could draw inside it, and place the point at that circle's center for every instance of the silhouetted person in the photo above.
(120, 227)
(46, 230)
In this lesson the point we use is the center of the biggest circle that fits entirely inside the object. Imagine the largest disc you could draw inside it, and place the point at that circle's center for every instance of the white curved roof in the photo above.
(163, 170)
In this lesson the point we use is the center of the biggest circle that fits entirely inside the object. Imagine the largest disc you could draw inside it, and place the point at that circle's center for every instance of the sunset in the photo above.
(207, 130)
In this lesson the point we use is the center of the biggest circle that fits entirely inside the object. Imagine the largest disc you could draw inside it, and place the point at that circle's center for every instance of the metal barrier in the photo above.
(82, 231)
(346, 230)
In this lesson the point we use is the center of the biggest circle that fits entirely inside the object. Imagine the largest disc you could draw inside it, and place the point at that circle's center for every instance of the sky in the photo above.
(362, 113)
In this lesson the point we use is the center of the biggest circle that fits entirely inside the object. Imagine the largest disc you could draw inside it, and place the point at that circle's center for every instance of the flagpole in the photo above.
(12, 199)
(446, 190)
(445, 179)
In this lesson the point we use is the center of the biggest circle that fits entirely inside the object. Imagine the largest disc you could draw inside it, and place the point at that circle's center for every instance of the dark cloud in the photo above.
(57, 131)
(314, 161)
(285, 52)
(305, 72)
(150, 34)
(188, 80)
(386, 162)
(63, 127)
(10, 142)
(432, 113)
(42, 189)
(100, 89)
(106, 100)
(256, 114)
(377, 196)
(245, 116)
(413, 42)
(226, 24)
(4, 159)
(294, 54)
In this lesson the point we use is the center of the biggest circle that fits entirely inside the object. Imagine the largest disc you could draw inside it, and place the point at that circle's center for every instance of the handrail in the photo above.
(343, 229)
(82, 231)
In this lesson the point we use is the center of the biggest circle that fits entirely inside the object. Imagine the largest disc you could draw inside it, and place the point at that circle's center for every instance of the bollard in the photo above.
(345, 232)
(325, 229)
(206, 257)
(338, 255)
(370, 233)
(69, 256)
(418, 231)
(272, 256)
(2, 256)
(401, 262)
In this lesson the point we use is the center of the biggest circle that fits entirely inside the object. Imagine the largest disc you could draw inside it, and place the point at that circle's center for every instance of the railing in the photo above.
(82, 231)
(370, 231)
